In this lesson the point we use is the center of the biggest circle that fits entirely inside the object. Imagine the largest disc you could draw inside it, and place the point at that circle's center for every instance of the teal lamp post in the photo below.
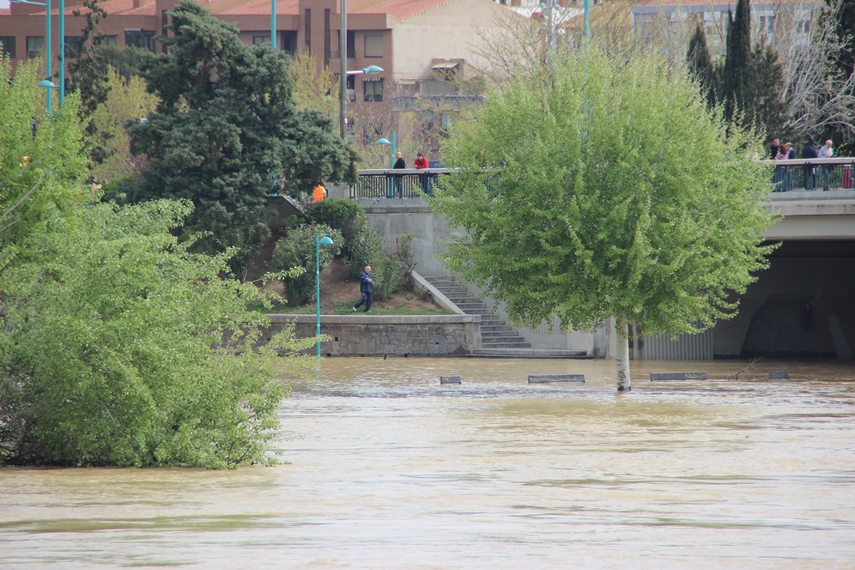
(273, 24)
(47, 83)
(393, 143)
(319, 241)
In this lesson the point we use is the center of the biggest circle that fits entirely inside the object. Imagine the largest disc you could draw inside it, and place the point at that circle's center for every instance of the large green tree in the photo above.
(607, 188)
(118, 345)
(227, 132)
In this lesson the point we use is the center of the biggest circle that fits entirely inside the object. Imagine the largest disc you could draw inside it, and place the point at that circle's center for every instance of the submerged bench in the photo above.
(677, 376)
(544, 378)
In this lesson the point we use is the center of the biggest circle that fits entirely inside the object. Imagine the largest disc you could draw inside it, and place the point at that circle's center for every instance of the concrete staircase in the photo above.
(498, 338)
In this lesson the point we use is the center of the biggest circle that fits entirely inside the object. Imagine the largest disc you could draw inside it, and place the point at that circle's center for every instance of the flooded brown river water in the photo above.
(388, 469)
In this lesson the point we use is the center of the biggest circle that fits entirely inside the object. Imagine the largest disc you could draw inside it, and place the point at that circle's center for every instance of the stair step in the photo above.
(527, 353)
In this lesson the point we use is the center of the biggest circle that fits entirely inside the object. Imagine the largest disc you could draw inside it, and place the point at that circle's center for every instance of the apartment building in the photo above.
(407, 38)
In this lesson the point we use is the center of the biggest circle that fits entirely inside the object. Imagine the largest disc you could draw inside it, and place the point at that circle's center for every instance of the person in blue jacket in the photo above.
(366, 287)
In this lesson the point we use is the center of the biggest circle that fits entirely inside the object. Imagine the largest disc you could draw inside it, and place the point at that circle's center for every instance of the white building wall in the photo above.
(449, 31)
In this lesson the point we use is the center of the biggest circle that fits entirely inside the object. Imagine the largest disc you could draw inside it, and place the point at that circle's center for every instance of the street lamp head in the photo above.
(383, 141)
(326, 241)
(47, 84)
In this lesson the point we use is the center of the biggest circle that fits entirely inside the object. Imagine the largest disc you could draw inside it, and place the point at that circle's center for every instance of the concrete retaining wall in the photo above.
(413, 216)
(398, 335)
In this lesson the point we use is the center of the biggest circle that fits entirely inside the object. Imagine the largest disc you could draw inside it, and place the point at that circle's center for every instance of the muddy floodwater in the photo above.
(389, 469)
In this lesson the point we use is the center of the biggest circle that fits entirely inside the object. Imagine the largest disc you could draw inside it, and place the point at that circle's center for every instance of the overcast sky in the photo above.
(4, 3)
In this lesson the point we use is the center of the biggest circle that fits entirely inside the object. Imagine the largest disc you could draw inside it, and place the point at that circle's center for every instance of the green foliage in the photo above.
(364, 246)
(736, 81)
(336, 212)
(297, 249)
(767, 106)
(701, 66)
(846, 31)
(41, 159)
(313, 88)
(620, 194)
(88, 71)
(392, 272)
(225, 129)
(119, 347)
(126, 101)
(128, 61)
(145, 376)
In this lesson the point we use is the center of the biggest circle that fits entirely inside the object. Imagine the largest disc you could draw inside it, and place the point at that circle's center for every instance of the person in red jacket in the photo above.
(421, 163)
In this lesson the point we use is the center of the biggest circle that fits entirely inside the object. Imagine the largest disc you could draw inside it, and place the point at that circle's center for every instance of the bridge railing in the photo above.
(396, 183)
(812, 174)
(788, 175)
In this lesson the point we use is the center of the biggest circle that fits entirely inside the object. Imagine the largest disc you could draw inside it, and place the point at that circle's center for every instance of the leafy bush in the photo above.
(334, 212)
(297, 249)
(393, 272)
(366, 248)
(114, 354)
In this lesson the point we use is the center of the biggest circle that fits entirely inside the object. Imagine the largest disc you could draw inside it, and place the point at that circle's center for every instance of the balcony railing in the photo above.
(788, 176)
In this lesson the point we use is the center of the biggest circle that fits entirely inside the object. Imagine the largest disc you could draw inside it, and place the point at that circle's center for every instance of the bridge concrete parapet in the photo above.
(813, 215)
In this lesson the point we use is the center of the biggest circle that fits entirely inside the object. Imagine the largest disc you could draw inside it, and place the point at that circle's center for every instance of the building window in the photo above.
(351, 43)
(260, 40)
(141, 39)
(327, 37)
(447, 120)
(288, 42)
(164, 22)
(73, 46)
(35, 46)
(9, 46)
(111, 41)
(644, 25)
(351, 87)
(373, 90)
(307, 19)
(428, 119)
(373, 45)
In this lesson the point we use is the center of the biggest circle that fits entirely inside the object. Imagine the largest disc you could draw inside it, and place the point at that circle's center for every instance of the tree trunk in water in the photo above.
(624, 383)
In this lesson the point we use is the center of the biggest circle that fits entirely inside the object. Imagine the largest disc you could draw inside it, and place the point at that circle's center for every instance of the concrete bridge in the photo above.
(802, 306)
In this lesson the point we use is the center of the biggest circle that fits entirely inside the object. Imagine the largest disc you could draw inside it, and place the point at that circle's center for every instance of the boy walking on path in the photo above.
(366, 287)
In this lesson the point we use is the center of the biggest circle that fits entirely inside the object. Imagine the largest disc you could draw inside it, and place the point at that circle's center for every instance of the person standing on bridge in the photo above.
(366, 287)
(421, 163)
(398, 179)
(809, 151)
(825, 151)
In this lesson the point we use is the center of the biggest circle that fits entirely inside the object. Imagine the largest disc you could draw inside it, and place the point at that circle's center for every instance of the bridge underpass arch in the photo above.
(803, 305)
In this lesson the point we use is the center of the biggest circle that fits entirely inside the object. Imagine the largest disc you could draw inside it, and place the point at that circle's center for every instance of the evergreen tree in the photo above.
(846, 31)
(88, 71)
(766, 104)
(701, 66)
(226, 133)
(737, 67)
